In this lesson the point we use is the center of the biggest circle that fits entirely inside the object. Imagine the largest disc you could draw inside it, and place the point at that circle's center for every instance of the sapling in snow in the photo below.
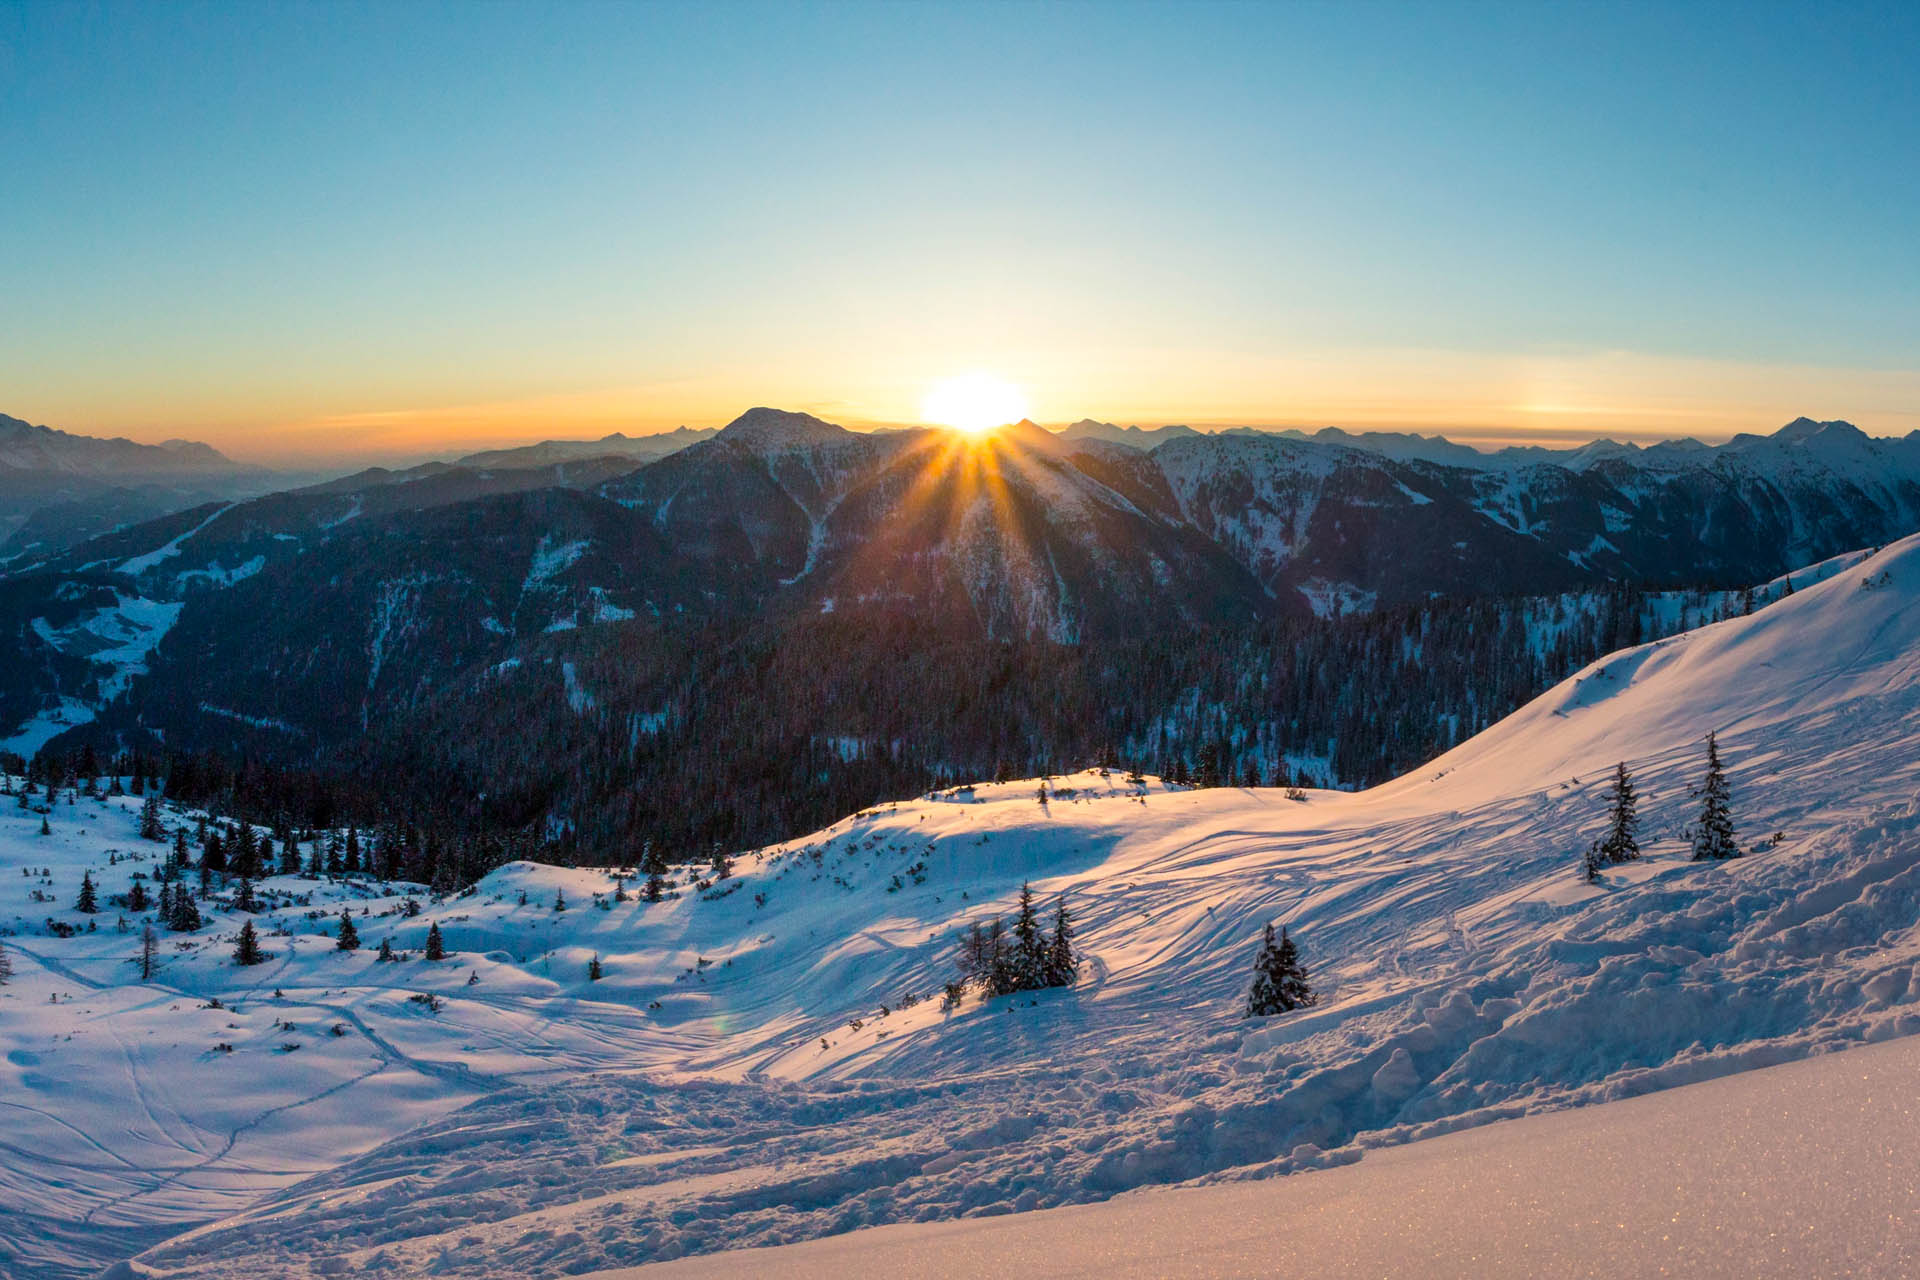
(1279, 979)
(1621, 843)
(1713, 834)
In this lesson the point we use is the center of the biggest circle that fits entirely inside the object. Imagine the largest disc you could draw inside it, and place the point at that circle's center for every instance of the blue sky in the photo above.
(301, 228)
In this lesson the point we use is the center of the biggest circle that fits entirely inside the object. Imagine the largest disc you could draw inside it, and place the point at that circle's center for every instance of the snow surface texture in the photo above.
(1733, 1177)
(752, 1071)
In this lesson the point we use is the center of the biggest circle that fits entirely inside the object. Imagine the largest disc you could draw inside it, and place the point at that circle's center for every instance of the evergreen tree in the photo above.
(185, 916)
(179, 857)
(45, 829)
(149, 947)
(6, 966)
(137, 896)
(1029, 952)
(150, 819)
(386, 949)
(246, 949)
(348, 938)
(722, 864)
(981, 957)
(1207, 773)
(89, 901)
(1592, 863)
(1713, 835)
(436, 947)
(1620, 844)
(350, 862)
(213, 852)
(243, 899)
(594, 971)
(1062, 965)
(654, 865)
(1279, 980)
(559, 899)
(245, 860)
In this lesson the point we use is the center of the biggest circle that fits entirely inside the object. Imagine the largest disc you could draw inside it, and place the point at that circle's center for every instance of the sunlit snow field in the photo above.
(769, 1062)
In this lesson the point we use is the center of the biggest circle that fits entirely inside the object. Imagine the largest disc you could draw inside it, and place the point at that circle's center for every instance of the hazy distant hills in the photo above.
(25, 447)
(1134, 437)
(618, 445)
(57, 488)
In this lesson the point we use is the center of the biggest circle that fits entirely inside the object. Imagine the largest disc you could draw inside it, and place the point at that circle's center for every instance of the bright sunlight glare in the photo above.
(974, 402)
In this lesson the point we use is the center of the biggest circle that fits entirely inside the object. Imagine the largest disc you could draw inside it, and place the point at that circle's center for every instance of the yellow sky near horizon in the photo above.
(1480, 398)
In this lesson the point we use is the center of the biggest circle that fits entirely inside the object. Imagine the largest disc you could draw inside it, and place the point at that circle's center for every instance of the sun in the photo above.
(973, 402)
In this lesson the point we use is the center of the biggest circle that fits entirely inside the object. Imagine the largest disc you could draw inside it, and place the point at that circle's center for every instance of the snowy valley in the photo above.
(769, 1059)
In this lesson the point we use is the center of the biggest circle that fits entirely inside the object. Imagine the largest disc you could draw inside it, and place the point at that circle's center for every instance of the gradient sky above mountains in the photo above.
(307, 230)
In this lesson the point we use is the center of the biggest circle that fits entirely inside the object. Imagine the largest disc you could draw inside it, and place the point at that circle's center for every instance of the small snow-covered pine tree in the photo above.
(594, 971)
(1062, 965)
(150, 828)
(1029, 951)
(1592, 863)
(1713, 838)
(149, 948)
(185, 917)
(348, 937)
(243, 899)
(386, 950)
(1279, 979)
(89, 900)
(436, 945)
(656, 868)
(1621, 843)
(246, 948)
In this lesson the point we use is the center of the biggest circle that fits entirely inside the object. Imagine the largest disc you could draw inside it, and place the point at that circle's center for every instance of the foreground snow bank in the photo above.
(1803, 1169)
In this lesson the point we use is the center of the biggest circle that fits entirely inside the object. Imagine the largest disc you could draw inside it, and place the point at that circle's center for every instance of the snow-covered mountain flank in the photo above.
(589, 1079)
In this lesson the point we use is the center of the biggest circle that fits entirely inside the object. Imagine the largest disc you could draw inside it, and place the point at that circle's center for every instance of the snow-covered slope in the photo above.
(1728, 1178)
(766, 1061)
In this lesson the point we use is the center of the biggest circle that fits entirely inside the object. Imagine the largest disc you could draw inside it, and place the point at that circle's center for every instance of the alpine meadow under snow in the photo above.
(592, 1080)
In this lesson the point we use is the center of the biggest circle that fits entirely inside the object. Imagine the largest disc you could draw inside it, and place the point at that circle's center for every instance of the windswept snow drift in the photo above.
(1729, 1178)
(765, 1062)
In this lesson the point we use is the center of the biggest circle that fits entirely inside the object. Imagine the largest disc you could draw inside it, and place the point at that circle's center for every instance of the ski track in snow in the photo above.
(540, 1124)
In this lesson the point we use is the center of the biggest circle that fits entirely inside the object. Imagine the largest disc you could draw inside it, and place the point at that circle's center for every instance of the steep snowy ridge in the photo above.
(766, 1060)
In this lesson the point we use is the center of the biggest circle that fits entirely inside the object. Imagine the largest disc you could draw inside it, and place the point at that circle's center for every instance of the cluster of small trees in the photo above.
(1000, 959)
(1713, 838)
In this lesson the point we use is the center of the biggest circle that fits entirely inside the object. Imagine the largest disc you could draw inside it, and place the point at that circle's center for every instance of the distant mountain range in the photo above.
(57, 488)
(25, 447)
(618, 445)
(462, 603)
